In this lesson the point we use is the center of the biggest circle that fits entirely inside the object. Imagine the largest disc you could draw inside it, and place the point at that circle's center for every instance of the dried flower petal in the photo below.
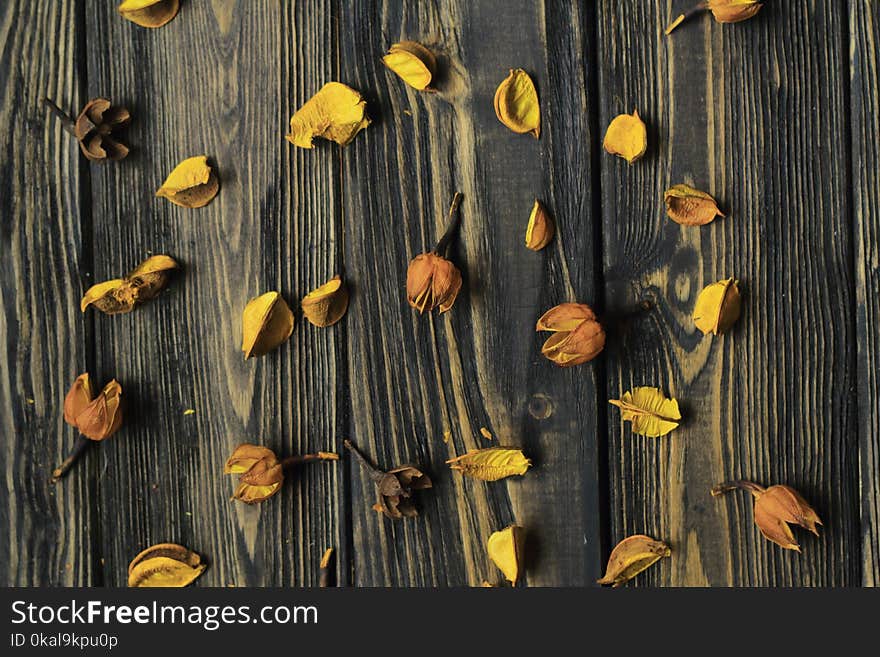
(151, 276)
(121, 294)
(267, 322)
(261, 472)
(432, 282)
(690, 207)
(110, 297)
(192, 183)
(491, 463)
(336, 112)
(541, 228)
(577, 335)
(506, 549)
(627, 137)
(516, 103)
(395, 487)
(631, 556)
(325, 305)
(776, 508)
(733, 11)
(149, 13)
(102, 417)
(94, 128)
(650, 412)
(165, 565)
(78, 398)
(413, 63)
(718, 307)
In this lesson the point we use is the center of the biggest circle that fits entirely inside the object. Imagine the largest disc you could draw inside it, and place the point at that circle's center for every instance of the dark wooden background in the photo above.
(778, 117)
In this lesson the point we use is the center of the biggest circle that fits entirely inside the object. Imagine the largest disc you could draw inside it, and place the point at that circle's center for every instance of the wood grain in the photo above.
(222, 80)
(413, 378)
(46, 533)
(864, 28)
(752, 113)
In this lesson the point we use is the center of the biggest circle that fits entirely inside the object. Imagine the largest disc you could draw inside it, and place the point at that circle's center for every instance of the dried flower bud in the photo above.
(94, 128)
(690, 207)
(491, 463)
(192, 183)
(165, 565)
(627, 137)
(395, 487)
(432, 281)
(261, 473)
(149, 13)
(325, 305)
(266, 322)
(632, 556)
(336, 113)
(506, 549)
(776, 508)
(718, 307)
(577, 335)
(120, 295)
(650, 412)
(541, 228)
(78, 397)
(516, 103)
(733, 11)
(413, 63)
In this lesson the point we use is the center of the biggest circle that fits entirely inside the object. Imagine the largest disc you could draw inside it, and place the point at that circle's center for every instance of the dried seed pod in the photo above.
(95, 128)
(690, 207)
(120, 295)
(718, 307)
(577, 335)
(336, 112)
(776, 508)
(149, 13)
(262, 473)
(516, 103)
(626, 137)
(491, 463)
(325, 305)
(413, 63)
(540, 229)
(631, 556)
(432, 281)
(650, 412)
(395, 487)
(266, 322)
(506, 549)
(192, 183)
(165, 565)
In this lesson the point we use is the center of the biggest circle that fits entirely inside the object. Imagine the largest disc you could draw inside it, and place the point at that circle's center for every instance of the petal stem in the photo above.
(326, 572)
(292, 461)
(690, 13)
(740, 484)
(375, 473)
(452, 222)
(67, 121)
(62, 469)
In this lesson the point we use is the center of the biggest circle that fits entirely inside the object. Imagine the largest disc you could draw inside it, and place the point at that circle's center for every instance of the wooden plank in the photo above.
(411, 377)
(221, 79)
(45, 531)
(864, 29)
(754, 114)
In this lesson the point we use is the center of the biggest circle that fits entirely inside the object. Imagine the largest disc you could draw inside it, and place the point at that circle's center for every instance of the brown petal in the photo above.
(690, 207)
(78, 397)
(103, 416)
(565, 317)
(632, 556)
(245, 456)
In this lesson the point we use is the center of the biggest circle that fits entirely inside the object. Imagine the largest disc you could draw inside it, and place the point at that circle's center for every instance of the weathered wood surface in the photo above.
(777, 116)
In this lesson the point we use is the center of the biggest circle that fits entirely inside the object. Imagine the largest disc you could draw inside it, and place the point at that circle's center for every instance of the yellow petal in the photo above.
(192, 183)
(336, 112)
(149, 13)
(250, 494)
(690, 207)
(540, 229)
(650, 412)
(267, 322)
(165, 565)
(109, 297)
(627, 137)
(506, 549)
(631, 556)
(413, 63)
(718, 307)
(491, 463)
(325, 305)
(516, 103)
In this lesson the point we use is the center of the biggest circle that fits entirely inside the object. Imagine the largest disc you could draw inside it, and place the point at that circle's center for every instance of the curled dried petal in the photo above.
(94, 127)
(120, 295)
(325, 305)
(506, 549)
(413, 63)
(102, 417)
(165, 565)
(336, 112)
(245, 456)
(151, 276)
(733, 11)
(632, 556)
(110, 297)
(78, 398)
(516, 103)
(192, 183)
(540, 229)
(149, 13)
(432, 282)
(491, 463)
(577, 336)
(627, 137)
(650, 412)
(267, 322)
(718, 307)
(690, 207)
